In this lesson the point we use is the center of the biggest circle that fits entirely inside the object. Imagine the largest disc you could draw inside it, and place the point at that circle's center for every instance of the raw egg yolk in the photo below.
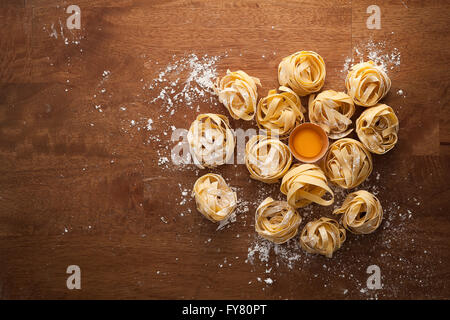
(307, 143)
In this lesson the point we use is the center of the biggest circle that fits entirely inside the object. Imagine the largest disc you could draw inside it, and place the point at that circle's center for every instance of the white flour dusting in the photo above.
(401, 93)
(149, 124)
(173, 91)
(380, 52)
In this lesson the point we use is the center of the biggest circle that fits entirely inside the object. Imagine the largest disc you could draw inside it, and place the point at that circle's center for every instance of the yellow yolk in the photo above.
(307, 143)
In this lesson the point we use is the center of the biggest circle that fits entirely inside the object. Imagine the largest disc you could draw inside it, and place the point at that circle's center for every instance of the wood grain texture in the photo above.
(79, 186)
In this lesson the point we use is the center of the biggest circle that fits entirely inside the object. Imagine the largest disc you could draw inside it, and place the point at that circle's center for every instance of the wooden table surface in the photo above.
(82, 184)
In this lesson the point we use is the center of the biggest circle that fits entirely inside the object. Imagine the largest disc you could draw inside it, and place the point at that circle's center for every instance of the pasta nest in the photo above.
(276, 221)
(304, 72)
(238, 93)
(377, 128)
(332, 111)
(304, 184)
(267, 159)
(214, 198)
(323, 236)
(367, 84)
(348, 163)
(211, 140)
(362, 212)
(280, 112)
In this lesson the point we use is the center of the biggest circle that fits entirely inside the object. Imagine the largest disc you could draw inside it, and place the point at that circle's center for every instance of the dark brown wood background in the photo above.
(93, 195)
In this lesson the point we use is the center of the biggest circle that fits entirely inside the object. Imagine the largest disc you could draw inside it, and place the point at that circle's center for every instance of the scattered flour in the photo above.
(149, 124)
(225, 222)
(162, 161)
(385, 58)
(401, 93)
(173, 91)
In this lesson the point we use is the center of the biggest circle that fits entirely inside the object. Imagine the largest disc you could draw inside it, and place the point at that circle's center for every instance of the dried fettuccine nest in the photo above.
(367, 84)
(214, 198)
(211, 140)
(348, 163)
(377, 128)
(276, 221)
(280, 112)
(362, 212)
(267, 159)
(304, 72)
(332, 111)
(238, 93)
(323, 236)
(304, 184)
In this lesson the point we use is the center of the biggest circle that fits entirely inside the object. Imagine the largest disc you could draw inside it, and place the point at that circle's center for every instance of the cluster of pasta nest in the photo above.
(267, 159)
(367, 84)
(323, 236)
(238, 93)
(304, 184)
(332, 111)
(303, 71)
(280, 112)
(214, 198)
(277, 221)
(377, 128)
(347, 163)
(361, 212)
(211, 140)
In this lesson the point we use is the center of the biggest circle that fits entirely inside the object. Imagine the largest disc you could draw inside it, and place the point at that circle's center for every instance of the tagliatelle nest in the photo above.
(348, 163)
(276, 221)
(367, 84)
(304, 184)
(377, 128)
(323, 236)
(332, 111)
(214, 198)
(362, 212)
(304, 72)
(211, 140)
(267, 159)
(280, 112)
(238, 93)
